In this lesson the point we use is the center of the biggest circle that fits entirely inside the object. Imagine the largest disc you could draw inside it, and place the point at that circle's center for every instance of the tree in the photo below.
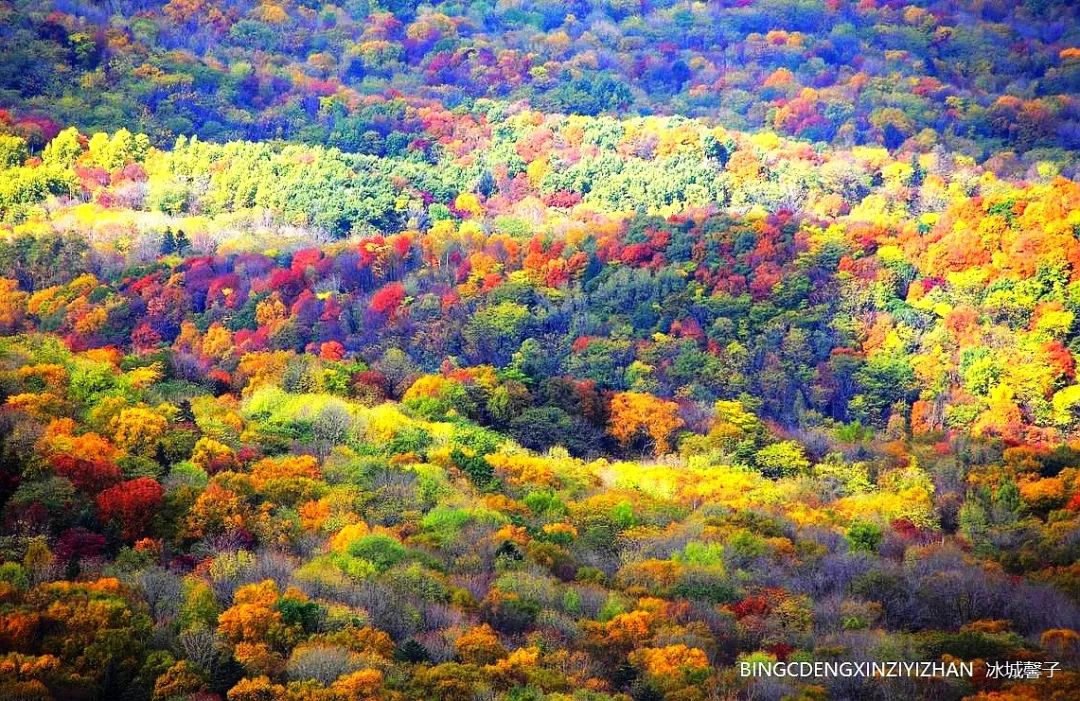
(138, 430)
(676, 665)
(256, 627)
(496, 331)
(635, 415)
(12, 305)
(507, 402)
(450, 681)
(132, 504)
(783, 459)
(64, 149)
(479, 646)
(212, 456)
(99, 638)
(380, 550)
(388, 299)
(88, 460)
(256, 689)
(13, 151)
(321, 662)
(864, 535)
(168, 242)
(182, 679)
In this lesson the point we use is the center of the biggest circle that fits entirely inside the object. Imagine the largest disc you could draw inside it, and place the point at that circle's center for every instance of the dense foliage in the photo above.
(979, 76)
(536, 351)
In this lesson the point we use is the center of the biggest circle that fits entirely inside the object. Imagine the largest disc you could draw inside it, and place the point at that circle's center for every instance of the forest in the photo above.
(538, 351)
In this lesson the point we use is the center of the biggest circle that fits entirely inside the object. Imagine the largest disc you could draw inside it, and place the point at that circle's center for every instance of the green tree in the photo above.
(864, 535)
(783, 459)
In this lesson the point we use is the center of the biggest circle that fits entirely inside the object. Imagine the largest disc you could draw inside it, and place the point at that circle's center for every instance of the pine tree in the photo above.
(168, 243)
(918, 173)
(486, 185)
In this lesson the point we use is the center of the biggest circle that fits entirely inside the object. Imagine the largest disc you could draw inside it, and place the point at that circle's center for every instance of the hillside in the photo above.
(535, 351)
(978, 76)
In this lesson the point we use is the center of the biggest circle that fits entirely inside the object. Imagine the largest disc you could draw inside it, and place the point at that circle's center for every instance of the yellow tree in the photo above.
(636, 415)
(137, 430)
(213, 456)
(12, 304)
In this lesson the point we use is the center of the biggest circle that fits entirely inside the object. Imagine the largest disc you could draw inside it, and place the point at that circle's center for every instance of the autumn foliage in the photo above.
(537, 351)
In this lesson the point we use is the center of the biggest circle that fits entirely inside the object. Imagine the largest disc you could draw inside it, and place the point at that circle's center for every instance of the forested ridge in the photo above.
(981, 76)
(530, 351)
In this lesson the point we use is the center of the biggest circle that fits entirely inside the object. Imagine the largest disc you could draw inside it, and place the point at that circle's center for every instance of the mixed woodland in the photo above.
(537, 351)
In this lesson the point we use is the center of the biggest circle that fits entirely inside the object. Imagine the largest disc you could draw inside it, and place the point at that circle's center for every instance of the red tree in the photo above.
(388, 299)
(132, 504)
